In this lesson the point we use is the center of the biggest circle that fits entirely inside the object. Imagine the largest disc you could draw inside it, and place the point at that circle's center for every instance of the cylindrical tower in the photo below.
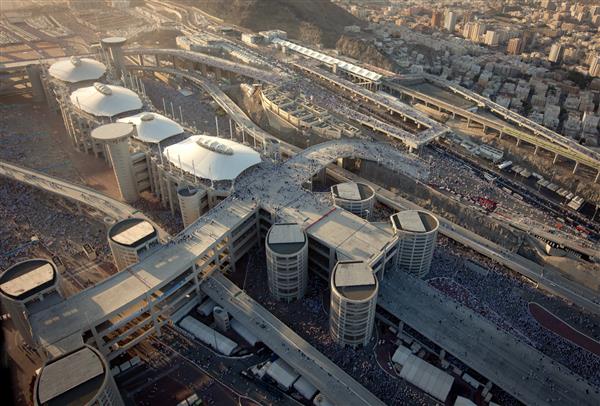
(357, 198)
(116, 137)
(189, 204)
(417, 233)
(26, 288)
(352, 304)
(130, 239)
(81, 377)
(114, 45)
(287, 261)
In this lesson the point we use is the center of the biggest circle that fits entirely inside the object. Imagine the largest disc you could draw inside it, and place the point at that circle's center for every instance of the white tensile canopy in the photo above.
(153, 127)
(102, 100)
(211, 157)
(76, 69)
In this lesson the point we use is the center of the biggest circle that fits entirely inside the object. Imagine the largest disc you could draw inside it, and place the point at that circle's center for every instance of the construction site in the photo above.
(249, 220)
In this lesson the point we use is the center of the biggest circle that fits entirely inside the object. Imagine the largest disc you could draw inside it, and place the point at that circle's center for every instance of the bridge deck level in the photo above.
(541, 136)
(332, 381)
(516, 367)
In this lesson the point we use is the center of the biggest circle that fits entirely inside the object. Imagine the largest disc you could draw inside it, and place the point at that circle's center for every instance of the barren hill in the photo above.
(311, 21)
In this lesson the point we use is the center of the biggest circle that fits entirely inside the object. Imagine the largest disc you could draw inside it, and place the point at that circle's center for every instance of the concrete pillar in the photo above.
(518, 142)
(575, 167)
(500, 135)
(189, 204)
(468, 122)
(141, 59)
(116, 137)
(535, 151)
(157, 61)
(555, 158)
(115, 46)
(597, 176)
(37, 88)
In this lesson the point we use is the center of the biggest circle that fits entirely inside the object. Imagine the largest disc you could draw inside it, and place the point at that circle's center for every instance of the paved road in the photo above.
(330, 379)
(550, 281)
(111, 207)
(516, 367)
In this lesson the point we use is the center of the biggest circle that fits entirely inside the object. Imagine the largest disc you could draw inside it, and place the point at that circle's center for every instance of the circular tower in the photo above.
(352, 304)
(417, 232)
(116, 137)
(287, 261)
(26, 288)
(357, 198)
(189, 204)
(81, 377)
(130, 239)
(114, 45)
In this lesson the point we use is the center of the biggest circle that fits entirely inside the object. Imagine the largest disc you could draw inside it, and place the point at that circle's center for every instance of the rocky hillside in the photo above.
(364, 51)
(311, 21)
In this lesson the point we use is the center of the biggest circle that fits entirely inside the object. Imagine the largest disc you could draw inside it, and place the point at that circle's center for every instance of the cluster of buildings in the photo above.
(540, 59)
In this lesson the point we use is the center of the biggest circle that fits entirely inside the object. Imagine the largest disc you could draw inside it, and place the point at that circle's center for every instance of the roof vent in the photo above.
(76, 61)
(102, 88)
(215, 146)
(147, 117)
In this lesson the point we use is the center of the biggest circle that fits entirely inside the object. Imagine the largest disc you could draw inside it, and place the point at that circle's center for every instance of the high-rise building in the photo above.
(436, 19)
(491, 38)
(595, 67)
(286, 248)
(555, 53)
(477, 30)
(450, 22)
(515, 46)
(352, 303)
(417, 232)
(80, 377)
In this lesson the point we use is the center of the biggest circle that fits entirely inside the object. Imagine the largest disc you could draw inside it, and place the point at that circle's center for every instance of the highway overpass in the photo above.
(538, 136)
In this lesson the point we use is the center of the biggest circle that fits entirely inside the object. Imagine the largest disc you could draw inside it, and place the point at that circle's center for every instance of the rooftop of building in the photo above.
(414, 221)
(286, 238)
(102, 100)
(211, 157)
(75, 69)
(72, 379)
(112, 131)
(132, 232)
(27, 278)
(354, 280)
(352, 191)
(152, 127)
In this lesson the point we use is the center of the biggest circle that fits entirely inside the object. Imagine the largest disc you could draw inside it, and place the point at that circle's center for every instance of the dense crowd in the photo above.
(360, 363)
(503, 299)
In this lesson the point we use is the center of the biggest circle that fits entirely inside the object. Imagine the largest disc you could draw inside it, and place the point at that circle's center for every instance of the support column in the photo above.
(500, 135)
(555, 158)
(597, 176)
(518, 142)
(575, 167)
(535, 151)
(37, 88)
(116, 137)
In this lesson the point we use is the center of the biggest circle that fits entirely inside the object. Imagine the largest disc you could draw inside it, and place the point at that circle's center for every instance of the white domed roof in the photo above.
(153, 127)
(212, 158)
(105, 100)
(76, 69)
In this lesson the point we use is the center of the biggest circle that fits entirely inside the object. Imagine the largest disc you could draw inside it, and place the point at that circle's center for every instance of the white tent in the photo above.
(211, 158)
(282, 373)
(153, 127)
(76, 69)
(208, 336)
(103, 100)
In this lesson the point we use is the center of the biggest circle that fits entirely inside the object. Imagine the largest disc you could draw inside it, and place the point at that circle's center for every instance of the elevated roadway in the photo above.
(331, 380)
(430, 129)
(516, 367)
(547, 279)
(540, 138)
(141, 55)
(80, 194)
